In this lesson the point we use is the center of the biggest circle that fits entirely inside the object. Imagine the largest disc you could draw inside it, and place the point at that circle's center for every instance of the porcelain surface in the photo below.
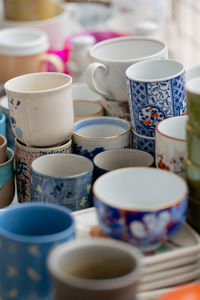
(144, 143)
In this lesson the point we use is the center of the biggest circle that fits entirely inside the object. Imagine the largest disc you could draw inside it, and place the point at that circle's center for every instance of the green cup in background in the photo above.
(193, 179)
(193, 101)
(193, 214)
(193, 144)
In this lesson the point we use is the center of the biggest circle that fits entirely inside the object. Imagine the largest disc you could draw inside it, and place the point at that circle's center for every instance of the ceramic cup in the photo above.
(192, 171)
(143, 143)
(81, 91)
(193, 144)
(156, 92)
(9, 133)
(41, 108)
(171, 144)
(2, 124)
(193, 101)
(65, 179)
(3, 148)
(118, 109)
(24, 157)
(25, 245)
(120, 158)
(23, 51)
(139, 205)
(193, 213)
(7, 183)
(95, 269)
(110, 59)
(94, 135)
(28, 10)
(86, 109)
(192, 72)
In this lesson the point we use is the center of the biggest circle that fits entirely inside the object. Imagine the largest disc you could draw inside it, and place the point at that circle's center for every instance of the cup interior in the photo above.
(155, 70)
(61, 165)
(133, 186)
(3, 141)
(2, 117)
(174, 127)
(124, 49)
(84, 108)
(80, 91)
(193, 85)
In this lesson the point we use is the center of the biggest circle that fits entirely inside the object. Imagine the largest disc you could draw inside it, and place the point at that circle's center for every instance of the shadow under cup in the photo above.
(25, 246)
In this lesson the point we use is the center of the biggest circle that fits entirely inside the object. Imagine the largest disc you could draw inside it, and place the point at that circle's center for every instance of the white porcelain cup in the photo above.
(110, 59)
(41, 108)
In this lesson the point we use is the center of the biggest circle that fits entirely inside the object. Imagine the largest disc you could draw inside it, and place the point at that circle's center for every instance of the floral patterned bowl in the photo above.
(142, 206)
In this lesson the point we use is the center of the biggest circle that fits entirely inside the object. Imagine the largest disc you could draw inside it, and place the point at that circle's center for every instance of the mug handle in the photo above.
(90, 77)
(54, 60)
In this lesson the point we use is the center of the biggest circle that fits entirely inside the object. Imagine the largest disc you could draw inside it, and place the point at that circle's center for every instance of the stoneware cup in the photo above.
(23, 51)
(7, 183)
(94, 135)
(193, 144)
(95, 269)
(41, 108)
(9, 133)
(156, 92)
(3, 149)
(65, 179)
(87, 109)
(139, 205)
(193, 101)
(2, 124)
(192, 171)
(143, 143)
(171, 144)
(27, 232)
(193, 213)
(110, 59)
(24, 156)
(120, 158)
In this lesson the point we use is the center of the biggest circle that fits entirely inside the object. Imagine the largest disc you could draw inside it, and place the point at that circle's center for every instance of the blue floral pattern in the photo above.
(84, 152)
(144, 144)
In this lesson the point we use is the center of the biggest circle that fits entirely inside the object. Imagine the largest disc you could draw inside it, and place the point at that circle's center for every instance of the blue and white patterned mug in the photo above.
(65, 179)
(24, 247)
(156, 92)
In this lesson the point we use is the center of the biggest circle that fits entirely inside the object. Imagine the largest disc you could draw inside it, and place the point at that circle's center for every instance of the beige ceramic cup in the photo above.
(23, 51)
(41, 108)
(95, 269)
(3, 148)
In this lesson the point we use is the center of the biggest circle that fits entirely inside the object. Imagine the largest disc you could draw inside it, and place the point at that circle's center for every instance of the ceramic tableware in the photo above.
(193, 144)
(95, 269)
(120, 158)
(110, 59)
(118, 109)
(171, 144)
(9, 133)
(3, 149)
(81, 91)
(65, 179)
(143, 143)
(41, 108)
(137, 206)
(2, 124)
(23, 51)
(193, 213)
(193, 101)
(192, 72)
(86, 109)
(192, 172)
(24, 156)
(156, 92)
(94, 135)
(7, 183)
(25, 246)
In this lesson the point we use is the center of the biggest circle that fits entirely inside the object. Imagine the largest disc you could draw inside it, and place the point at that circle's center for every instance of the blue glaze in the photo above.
(6, 169)
(144, 144)
(2, 124)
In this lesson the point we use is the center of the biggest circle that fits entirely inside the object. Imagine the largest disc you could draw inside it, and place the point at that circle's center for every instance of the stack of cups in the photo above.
(156, 92)
(42, 118)
(193, 153)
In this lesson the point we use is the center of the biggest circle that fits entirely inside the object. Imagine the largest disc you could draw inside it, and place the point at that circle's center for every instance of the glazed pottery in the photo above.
(25, 246)
(110, 59)
(192, 72)
(193, 213)
(94, 135)
(81, 91)
(95, 269)
(144, 143)
(118, 109)
(193, 144)
(120, 158)
(41, 108)
(137, 206)
(3, 148)
(7, 183)
(156, 92)
(65, 179)
(171, 144)
(86, 109)
(9, 133)
(192, 171)
(23, 51)
(24, 157)
(193, 101)
(2, 124)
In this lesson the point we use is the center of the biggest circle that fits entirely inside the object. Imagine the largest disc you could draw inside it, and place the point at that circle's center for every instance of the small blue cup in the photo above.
(2, 124)
(27, 233)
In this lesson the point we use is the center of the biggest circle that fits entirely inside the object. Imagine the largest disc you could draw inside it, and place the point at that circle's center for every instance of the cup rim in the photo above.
(10, 153)
(143, 136)
(104, 284)
(126, 38)
(39, 239)
(100, 108)
(190, 89)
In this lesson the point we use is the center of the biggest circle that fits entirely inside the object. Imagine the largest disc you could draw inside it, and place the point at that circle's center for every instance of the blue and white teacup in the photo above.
(65, 179)
(144, 143)
(27, 233)
(156, 92)
(94, 135)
